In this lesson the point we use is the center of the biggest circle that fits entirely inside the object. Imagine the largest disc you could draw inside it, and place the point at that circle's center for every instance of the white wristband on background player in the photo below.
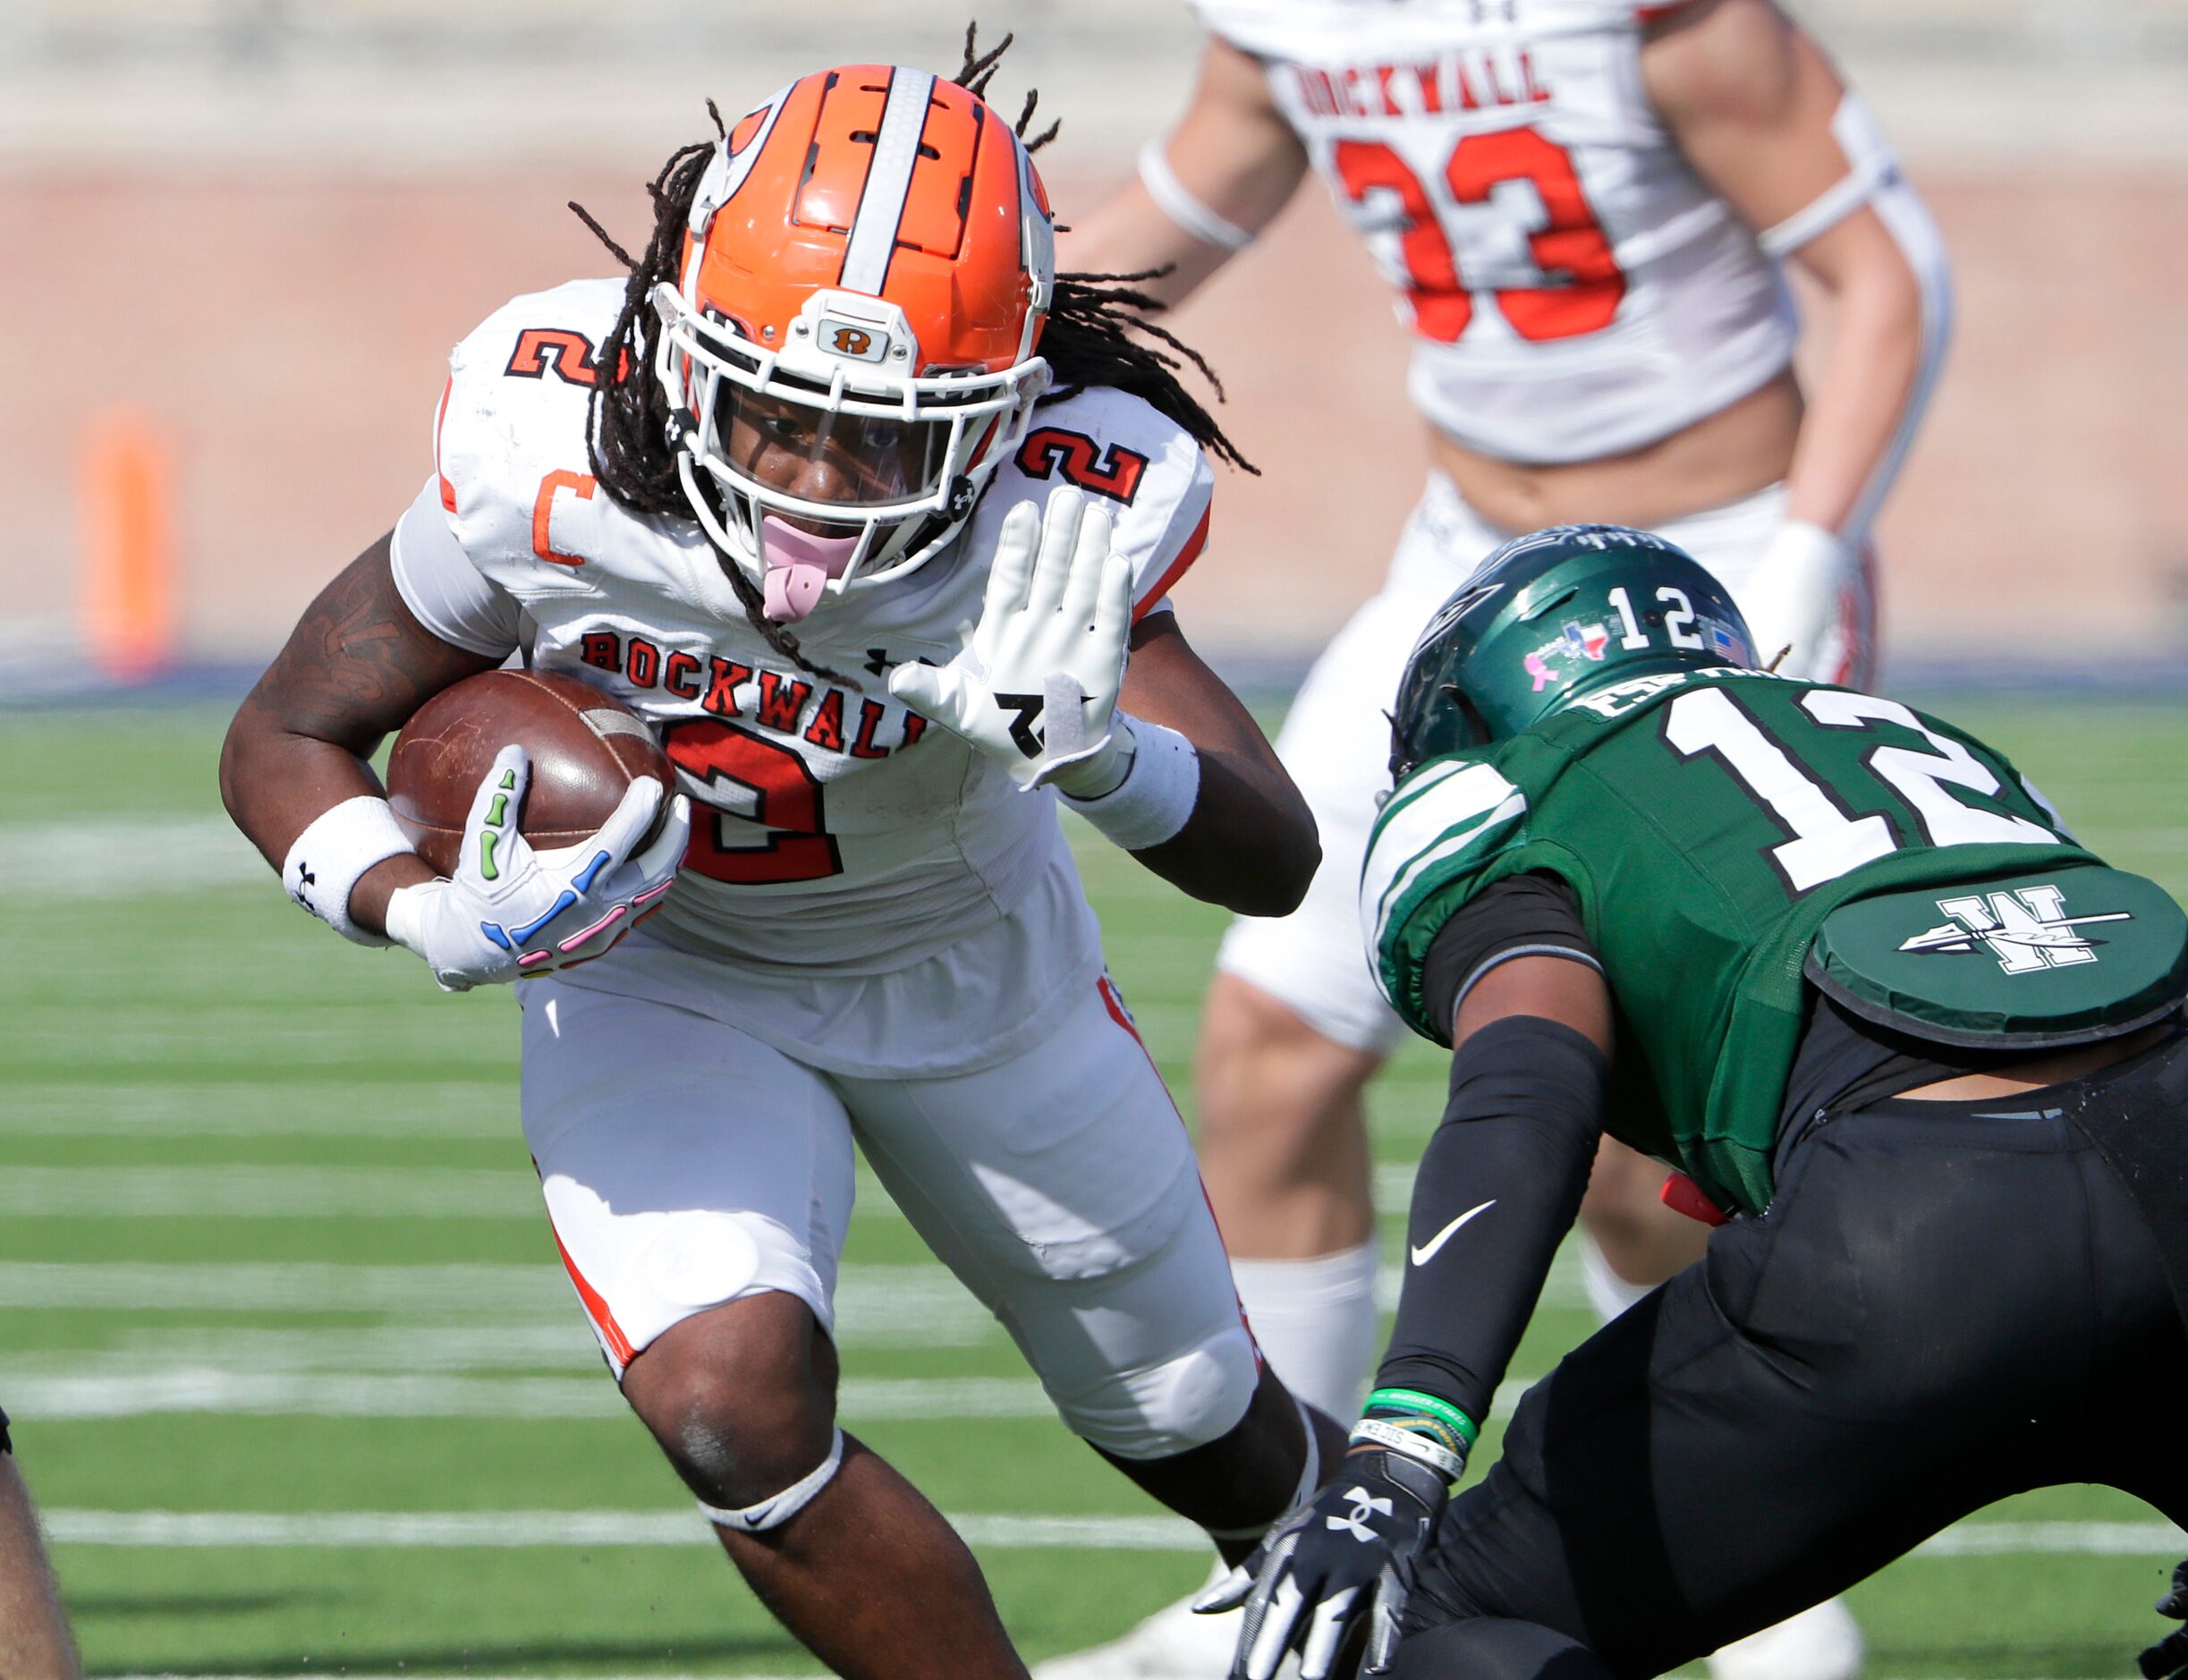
(1176, 200)
(506, 911)
(1795, 599)
(333, 853)
(1156, 799)
(1037, 687)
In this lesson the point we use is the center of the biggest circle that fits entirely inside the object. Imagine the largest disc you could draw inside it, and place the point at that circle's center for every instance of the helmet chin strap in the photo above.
(797, 566)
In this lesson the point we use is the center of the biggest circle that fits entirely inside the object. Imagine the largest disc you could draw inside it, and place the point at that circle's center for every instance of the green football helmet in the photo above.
(1551, 616)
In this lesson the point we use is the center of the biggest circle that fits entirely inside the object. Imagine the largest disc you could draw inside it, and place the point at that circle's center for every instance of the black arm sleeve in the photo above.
(1522, 915)
(1499, 1187)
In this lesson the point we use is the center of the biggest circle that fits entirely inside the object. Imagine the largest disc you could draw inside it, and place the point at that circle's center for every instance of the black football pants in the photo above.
(1947, 1304)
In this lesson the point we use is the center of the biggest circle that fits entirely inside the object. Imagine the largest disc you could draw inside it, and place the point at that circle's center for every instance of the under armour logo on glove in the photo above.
(1305, 1589)
(1355, 1521)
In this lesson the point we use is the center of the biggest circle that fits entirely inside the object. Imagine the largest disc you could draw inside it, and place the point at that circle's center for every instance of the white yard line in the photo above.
(135, 1388)
(267, 1192)
(483, 1108)
(472, 1291)
(2153, 1538)
(508, 1530)
(242, 1192)
(876, 1305)
(93, 858)
(487, 1290)
(50, 1396)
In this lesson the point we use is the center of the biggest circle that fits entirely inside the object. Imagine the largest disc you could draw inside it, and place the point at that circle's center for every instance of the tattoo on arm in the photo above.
(355, 667)
(358, 663)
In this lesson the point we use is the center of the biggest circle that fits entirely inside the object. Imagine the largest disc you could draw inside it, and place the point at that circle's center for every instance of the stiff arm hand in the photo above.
(1036, 688)
(507, 912)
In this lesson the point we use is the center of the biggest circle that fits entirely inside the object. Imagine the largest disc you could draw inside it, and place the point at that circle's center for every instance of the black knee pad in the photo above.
(1496, 1649)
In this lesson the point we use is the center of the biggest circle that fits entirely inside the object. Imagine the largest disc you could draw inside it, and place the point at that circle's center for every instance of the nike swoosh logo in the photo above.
(1428, 1251)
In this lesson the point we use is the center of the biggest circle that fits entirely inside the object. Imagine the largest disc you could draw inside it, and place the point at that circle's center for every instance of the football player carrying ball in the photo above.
(1846, 969)
(873, 518)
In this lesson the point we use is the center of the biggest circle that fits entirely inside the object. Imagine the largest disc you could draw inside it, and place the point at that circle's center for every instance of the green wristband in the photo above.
(1413, 1400)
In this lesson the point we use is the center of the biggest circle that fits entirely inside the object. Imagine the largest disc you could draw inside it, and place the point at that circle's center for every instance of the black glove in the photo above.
(1317, 1570)
(2168, 1657)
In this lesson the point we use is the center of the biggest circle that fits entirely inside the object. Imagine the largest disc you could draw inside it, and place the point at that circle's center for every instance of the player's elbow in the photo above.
(1305, 859)
(235, 757)
(1285, 868)
(1900, 286)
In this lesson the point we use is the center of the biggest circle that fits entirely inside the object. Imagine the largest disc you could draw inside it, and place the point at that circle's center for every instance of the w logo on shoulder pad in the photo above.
(2027, 929)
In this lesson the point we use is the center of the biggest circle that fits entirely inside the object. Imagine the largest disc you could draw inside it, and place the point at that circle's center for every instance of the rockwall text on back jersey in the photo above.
(1575, 290)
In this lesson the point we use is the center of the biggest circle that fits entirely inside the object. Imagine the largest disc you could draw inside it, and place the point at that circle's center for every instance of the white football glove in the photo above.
(1037, 688)
(1795, 598)
(508, 912)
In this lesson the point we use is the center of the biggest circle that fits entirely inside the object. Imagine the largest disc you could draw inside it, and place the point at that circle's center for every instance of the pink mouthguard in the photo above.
(798, 565)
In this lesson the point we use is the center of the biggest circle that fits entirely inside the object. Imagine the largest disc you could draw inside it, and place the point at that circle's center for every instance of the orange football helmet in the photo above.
(869, 265)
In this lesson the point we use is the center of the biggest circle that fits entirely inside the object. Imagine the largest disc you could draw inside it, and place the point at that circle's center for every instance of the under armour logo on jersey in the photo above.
(878, 660)
(1354, 1522)
(1028, 709)
(2027, 929)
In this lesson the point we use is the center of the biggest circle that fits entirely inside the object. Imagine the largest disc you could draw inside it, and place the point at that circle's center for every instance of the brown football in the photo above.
(586, 748)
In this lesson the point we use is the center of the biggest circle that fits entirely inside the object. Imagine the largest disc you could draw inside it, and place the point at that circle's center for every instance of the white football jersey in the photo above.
(1575, 289)
(833, 829)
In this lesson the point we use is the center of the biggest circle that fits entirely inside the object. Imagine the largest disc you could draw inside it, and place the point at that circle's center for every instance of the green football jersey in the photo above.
(1708, 822)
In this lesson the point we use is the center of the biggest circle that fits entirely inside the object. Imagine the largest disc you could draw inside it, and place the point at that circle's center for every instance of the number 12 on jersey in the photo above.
(1829, 841)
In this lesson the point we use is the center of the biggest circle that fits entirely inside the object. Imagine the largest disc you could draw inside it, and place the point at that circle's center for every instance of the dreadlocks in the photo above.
(1099, 333)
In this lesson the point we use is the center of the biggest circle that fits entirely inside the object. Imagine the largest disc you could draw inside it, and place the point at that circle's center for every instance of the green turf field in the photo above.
(299, 1381)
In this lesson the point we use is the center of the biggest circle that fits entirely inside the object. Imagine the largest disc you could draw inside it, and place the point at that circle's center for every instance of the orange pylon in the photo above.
(126, 598)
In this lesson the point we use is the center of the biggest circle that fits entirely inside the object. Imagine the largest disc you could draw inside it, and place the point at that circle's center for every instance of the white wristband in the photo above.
(333, 851)
(1447, 1464)
(1157, 796)
(1174, 200)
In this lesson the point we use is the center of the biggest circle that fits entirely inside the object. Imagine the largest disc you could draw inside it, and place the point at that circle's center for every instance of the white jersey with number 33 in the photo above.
(1575, 289)
(834, 831)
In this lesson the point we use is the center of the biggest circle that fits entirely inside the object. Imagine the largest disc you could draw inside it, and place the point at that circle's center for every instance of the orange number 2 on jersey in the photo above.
(751, 783)
(1570, 248)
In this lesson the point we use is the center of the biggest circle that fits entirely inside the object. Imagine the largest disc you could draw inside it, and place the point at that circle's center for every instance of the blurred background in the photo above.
(241, 234)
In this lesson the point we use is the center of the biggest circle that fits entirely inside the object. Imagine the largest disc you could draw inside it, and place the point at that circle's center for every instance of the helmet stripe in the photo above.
(1037, 246)
(888, 182)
